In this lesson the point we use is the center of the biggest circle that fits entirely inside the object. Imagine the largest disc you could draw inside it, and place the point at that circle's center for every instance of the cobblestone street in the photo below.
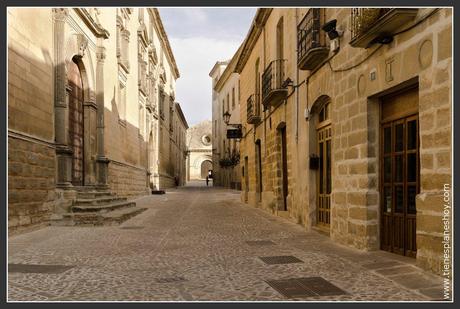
(192, 244)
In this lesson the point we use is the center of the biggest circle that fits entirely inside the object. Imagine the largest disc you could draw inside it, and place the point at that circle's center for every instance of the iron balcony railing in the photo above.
(362, 19)
(253, 108)
(273, 79)
(309, 34)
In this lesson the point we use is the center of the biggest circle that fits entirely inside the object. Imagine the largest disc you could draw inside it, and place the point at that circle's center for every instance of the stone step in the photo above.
(102, 208)
(120, 215)
(98, 200)
(94, 194)
(113, 217)
(89, 188)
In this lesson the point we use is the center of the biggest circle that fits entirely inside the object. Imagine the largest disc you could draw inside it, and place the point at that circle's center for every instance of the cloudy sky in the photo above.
(199, 37)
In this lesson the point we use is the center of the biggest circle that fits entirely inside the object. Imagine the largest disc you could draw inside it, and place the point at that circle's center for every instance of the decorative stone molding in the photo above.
(90, 18)
(425, 54)
(123, 42)
(162, 73)
(152, 53)
(82, 43)
(100, 54)
(60, 14)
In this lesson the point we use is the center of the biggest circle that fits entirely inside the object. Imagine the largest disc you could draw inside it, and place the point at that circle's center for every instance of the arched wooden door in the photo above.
(76, 128)
(324, 180)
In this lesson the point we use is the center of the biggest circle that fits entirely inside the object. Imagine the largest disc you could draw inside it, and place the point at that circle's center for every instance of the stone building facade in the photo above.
(86, 92)
(350, 129)
(199, 150)
(179, 146)
(226, 99)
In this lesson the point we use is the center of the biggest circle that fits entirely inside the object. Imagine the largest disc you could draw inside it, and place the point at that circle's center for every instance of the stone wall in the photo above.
(31, 183)
(419, 56)
(31, 155)
(199, 143)
(126, 180)
(119, 112)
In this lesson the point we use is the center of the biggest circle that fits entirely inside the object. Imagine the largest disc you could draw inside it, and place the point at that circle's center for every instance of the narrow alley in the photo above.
(201, 243)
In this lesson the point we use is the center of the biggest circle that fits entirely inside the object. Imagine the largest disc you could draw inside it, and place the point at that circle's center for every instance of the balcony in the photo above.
(253, 109)
(372, 25)
(273, 89)
(311, 40)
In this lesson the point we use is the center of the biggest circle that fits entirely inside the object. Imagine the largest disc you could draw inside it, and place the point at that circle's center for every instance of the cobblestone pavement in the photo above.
(191, 245)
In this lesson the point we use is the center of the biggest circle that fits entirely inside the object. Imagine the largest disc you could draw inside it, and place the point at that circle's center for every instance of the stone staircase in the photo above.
(94, 207)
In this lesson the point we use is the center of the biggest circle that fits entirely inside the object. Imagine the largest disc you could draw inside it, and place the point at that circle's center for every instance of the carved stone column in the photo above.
(61, 106)
(102, 160)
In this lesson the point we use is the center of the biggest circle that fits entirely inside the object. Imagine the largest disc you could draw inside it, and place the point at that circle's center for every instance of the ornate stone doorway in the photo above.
(76, 123)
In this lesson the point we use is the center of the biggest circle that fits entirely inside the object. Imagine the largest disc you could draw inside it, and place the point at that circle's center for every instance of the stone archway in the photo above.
(206, 166)
(82, 125)
(320, 147)
(72, 55)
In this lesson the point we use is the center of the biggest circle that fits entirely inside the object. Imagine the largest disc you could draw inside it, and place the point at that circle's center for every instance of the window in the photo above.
(280, 39)
(233, 98)
(123, 38)
(257, 79)
(239, 92)
(161, 103)
(141, 119)
(324, 113)
(122, 101)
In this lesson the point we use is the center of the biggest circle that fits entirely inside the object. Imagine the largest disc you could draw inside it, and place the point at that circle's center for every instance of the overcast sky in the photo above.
(199, 37)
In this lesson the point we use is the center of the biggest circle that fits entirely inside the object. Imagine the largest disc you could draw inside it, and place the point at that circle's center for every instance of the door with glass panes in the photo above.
(399, 168)
(324, 181)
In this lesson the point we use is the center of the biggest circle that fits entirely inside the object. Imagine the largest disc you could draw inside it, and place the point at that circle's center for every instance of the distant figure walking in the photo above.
(207, 180)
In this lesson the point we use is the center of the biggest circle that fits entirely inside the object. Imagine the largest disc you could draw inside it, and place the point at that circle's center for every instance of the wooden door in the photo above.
(284, 166)
(246, 178)
(324, 182)
(324, 179)
(76, 129)
(400, 170)
(259, 169)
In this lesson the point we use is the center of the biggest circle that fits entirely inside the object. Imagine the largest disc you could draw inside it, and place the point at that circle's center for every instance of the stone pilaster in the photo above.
(102, 161)
(63, 151)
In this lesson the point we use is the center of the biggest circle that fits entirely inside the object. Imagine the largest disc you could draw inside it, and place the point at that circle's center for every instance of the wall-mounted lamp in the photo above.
(330, 29)
(226, 116)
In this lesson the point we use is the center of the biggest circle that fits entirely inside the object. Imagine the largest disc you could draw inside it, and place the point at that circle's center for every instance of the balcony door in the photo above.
(324, 180)
(280, 39)
(246, 178)
(400, 172)
(284, 167)
(259, 170)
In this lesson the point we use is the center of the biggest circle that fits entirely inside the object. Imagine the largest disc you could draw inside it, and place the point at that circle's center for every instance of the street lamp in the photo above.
(226, 117)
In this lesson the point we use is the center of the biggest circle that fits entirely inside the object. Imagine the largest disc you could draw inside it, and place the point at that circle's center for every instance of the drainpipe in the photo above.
(260, 95)
(296, 82)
